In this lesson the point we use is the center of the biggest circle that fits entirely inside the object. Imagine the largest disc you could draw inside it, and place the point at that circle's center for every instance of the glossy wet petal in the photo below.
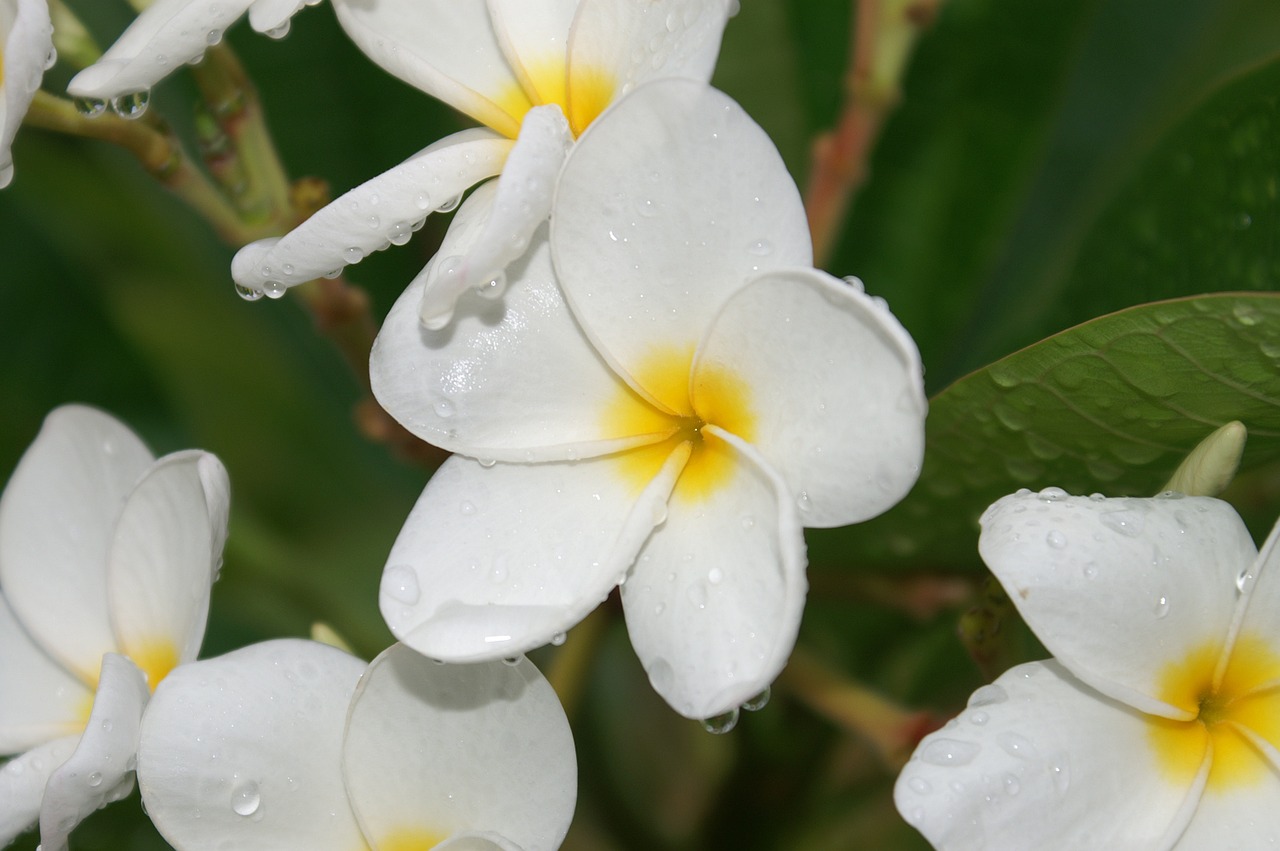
(1241, 818)
(39, 700)
(534, 35)
(22, 783)
(1156, 575)
(26, 38)
(247, 748)
(374, 214)
(647, 254)
(496, 561)
(57, 516)
(1040, 760)
(442, 749)
(836, 386)
(713, 603)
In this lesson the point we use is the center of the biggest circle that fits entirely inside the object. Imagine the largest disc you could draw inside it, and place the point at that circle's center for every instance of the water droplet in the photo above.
(659, 609)
(803, 502)
(1060, 771)
(131, 105)
(760, 247)
(95, 779)
(698, 595)
(51, 59)
(274, 289)
(1016, 745)
(487, 462)
(979, 718)
(1246, 315)
(988, 695)
(352, 255)
(950, 752)
(760, 701)
(400, 233)
(1090, 570)
(108, 725)
(400, 583)
(90, 107)
(498, 571)
(1012, 785)
(467, 507)
(1056, 539)
(715, 576)
(1125, 521)
(245, 799)
(493, 288)
(1052, 494)
(248, 293)
(511, 661)
(450, 204)
(444, 409)
(748, 521)
(1162, 606)
(1245, 581)
(280, 31)
(558, 639)
(919, 785)
(721, 724)
(213, 37)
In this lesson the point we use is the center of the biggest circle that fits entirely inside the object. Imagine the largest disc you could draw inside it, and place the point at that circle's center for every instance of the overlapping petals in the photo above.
(295, 745)
(103, 551)
(633, 435)
(26, 44)
(1155, 726)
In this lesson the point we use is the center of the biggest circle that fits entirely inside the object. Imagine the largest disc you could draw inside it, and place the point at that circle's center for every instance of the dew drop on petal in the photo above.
(760, 247)
(450, 204)
(279, 32)
(511, 661)
(950, 752)
(721, 724)
(95, 779)
(1060, 772)
(988, 695)
(919, 785)
(1016, 745)
(444, 409)
(274, 289)
(493, 288)
(803, 502)
(352, 255)
(1162, 606)
(245, 799)
(558, 639)
(400, 583)
(467, 507)
(1125, 521)
(979, 718)
(1056, 540)
(1012, 785)
(760, 701)
(51, 59)
(715, 576)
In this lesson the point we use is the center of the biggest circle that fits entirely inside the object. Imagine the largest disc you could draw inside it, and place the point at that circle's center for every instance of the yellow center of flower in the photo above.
(715, 396)
(156, 658)
(581, 91)
(410, 839)
(1247, 700)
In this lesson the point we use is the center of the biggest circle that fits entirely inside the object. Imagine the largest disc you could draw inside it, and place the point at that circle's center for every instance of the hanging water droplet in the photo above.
(950, 753)
(450, 204)
(760, 701)
(721, 724)
(400, 583)
(51, 59)
(279, 32)
(248, 293)
(493, 288)
(274, 289)
(90, 107)
(213, 37)
(352, 255)
(855, 282)
(245, 799)
(1056, 539)
(131, 105)
(423, 201)
(400, 233)
(374, 222)
(1162, 606)
(558, 639)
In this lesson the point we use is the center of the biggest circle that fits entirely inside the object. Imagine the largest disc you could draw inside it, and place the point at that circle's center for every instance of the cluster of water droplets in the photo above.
(131, 105)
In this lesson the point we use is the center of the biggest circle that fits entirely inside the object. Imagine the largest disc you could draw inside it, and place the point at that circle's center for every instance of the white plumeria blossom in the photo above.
(1156, 724)
(292, 745)
(26, 46)
(170, 33)
(670, 409)
(107, 556)
(536, 73)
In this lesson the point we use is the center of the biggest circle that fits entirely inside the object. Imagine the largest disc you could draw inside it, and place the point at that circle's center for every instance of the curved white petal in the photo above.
(522, 202)
(162, 563)
(496, 561)
(1259, 581)
(1241, 817)
(374, 214)
(713, 603)
(448, 748)
(39, 699)
(476, 387)
(57, 516)
(837, 390)
(534, 35)
(247, 748)
(273, 16)
(446, 48)
(1154, 577)
(22, 782)
(1040, 760)
(668, 204)
(163, 37)
(26, 39)
(477, 842)
(101, 769)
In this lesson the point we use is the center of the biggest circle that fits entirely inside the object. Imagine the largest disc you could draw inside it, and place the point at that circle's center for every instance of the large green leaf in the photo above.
(1112, 405)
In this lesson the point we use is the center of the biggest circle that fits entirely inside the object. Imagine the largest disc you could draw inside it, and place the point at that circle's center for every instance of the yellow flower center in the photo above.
(582, 92)
(156, 658)
(410, 839)
(1247, 699)
(715, 396)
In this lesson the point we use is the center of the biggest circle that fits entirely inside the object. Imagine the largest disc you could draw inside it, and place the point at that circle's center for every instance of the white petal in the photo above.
(57, 516)
(1156, 578)
(666, 206)
(714, 600)
(273, 16)
(450, 748)
(496, 561)
(446, 48)
(534, 35)
(40, 700)
(522, 203)
(246, 749)
(837, 390)
(22, 782)
(477, 842)
(163, 37)
(475, 387)
(1040, 760)
(1239, 817)
(371, 216)
(163, 563)
(101, 769)
(26, 39)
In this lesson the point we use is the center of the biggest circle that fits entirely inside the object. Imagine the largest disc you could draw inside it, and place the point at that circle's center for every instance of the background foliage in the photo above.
(1049, 163)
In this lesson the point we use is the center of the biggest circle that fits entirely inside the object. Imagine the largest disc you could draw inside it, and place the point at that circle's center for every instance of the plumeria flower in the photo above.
(536, 73)
(292, 745)
(26, 50)
(106, 560)
(1156, 724)
(693, 396)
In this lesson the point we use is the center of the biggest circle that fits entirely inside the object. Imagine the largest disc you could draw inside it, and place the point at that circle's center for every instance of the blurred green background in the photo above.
(1049, 162)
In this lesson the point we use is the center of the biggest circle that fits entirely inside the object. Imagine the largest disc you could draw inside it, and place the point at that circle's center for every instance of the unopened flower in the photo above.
(292, 745)
(536, 73)
(106, 560)
(26, 46)
(1156, 724)
(671, 419)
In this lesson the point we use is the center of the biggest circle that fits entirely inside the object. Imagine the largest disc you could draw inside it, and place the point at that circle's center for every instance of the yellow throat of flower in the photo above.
(717, 397)
(1246, 701)
(582, 92)
(410, 839)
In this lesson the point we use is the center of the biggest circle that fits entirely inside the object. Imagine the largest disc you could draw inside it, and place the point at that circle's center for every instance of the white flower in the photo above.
(703, 394)
(296, 746)
(26, 44)
(1156, 724)
(106, 560)
(536, 71)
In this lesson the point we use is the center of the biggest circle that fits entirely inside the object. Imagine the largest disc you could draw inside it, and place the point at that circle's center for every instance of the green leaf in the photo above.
(1112, 405)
